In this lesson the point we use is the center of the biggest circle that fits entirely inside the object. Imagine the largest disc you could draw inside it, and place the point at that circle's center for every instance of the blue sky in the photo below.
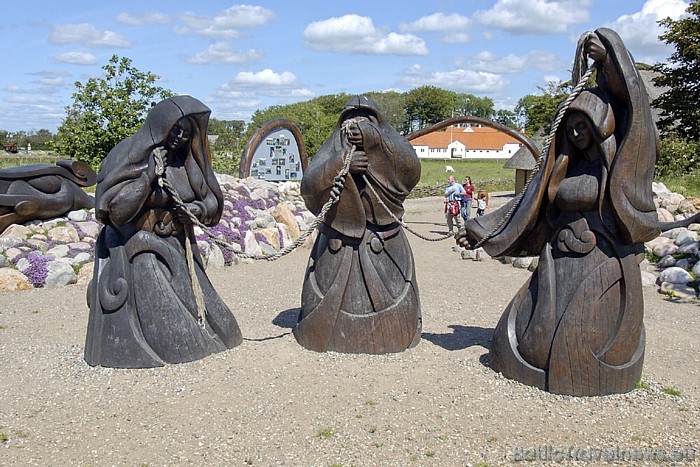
(238, 57)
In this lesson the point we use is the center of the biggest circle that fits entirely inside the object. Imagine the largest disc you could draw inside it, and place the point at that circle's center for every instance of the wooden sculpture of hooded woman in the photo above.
(143, 298)
(576, 326)
(360, 293)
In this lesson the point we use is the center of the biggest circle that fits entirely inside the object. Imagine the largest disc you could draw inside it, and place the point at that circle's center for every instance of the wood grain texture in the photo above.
(360, 293)
(576, 327)
(142, 298)
(43, 191)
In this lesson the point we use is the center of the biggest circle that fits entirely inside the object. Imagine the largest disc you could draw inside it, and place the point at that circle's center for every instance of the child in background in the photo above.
(481, 204)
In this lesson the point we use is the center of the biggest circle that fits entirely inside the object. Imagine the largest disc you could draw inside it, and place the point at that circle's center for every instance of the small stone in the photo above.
(60, 274)
(79, 215)
(15, 230)
(666, 262)
(12, 280)
(64, 234)
(675, 275)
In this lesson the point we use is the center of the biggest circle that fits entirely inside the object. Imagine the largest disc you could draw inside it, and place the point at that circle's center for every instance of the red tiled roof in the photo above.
(479, 138)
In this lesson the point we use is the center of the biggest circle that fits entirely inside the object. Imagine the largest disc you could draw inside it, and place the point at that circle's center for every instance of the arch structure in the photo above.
(275, 152)
(527, 142)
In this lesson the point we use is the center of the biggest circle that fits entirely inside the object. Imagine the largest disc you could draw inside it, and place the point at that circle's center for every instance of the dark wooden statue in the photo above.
(150, 300)
(576, 326)
(360, 293)
(43, 191)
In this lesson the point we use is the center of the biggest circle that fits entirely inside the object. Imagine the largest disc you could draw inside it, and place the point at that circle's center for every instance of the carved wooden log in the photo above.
(576, 327)
(150, 300)
(360, 293)
(43, 191)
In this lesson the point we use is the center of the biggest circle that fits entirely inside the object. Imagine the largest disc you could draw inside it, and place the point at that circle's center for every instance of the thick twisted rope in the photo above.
(400, 221)
(543, 154)
(336, 187)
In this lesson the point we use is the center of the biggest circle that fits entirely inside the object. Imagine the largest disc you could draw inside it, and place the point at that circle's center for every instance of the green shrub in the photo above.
(677, 156)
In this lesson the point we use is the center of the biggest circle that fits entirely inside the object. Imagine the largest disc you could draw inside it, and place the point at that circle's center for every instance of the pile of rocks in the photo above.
(259, 217)
(672, 259)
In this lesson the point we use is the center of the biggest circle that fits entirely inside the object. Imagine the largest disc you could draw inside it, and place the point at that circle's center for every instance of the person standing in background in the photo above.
(453, 194)
(467, 198)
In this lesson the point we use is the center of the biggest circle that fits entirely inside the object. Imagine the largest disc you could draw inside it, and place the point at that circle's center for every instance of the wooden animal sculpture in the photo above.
(360, 293)
(43, 191)
(150, 300)
(576, 326)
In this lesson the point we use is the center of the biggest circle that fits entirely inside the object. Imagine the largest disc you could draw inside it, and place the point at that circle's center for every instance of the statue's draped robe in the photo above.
(576, 326)
(360, 293)
(143, 309)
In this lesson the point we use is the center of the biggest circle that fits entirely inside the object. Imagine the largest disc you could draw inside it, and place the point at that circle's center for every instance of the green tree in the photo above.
(537, 112)
(392, 106)
(468, 105)
(315, 118)
(507, 118)
(680, 111)
(107, 110)
(428, 105)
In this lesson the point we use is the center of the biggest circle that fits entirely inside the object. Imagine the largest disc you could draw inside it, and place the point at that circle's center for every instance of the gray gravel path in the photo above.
(271, 402)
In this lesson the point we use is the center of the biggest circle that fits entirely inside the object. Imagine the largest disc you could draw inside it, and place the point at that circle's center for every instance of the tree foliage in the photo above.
(680, 111)
(428, 105)
(315, 118)
(106, 110)
(538, 111)
(677, 156)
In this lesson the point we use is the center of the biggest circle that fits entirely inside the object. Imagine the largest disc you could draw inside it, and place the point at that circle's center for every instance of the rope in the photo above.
(400, 221)
(538, 165)
(336, 187)
(196, 286)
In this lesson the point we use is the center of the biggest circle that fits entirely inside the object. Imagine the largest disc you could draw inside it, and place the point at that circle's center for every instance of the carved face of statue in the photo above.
(179, 134)
(578, 130)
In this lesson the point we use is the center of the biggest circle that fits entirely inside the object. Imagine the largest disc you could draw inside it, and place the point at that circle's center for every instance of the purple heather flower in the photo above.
(37, 271)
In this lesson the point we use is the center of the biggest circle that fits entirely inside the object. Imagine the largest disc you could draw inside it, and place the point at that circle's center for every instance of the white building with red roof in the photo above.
(466, 142)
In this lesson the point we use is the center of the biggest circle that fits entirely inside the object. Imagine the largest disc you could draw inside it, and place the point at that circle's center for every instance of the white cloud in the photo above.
(640, 31)
(76, 58)
(488, 61)
(222, 52)
(459, 80)
(33, 99)
(54, 81)
(437, 22)
(266, 78)
(87, 35)
(535, 16)
(456, 38)
(228, 24)
(248, 85)
(139, 19)
(357, 34)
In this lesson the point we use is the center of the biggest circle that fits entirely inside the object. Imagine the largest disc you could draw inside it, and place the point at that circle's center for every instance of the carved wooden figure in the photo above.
(43, 191)
(576, 326)
(360, 293)
(150, 300)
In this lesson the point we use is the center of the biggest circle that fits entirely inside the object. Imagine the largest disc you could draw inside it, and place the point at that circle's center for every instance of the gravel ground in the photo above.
(272, 402)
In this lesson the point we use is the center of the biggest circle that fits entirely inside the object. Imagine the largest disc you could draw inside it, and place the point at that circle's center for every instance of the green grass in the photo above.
(686, 185)
(486, 174)
(325, 433)
(671, 391)
(14, 160)
(642, 385)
